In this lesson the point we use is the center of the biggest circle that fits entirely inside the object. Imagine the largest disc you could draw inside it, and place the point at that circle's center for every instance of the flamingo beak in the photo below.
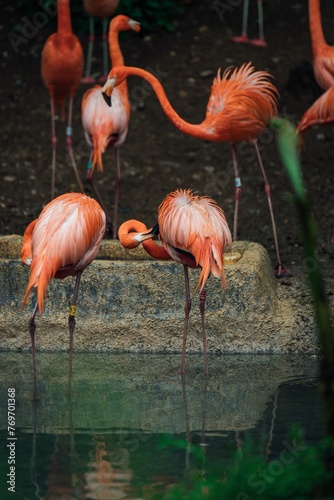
(135, 25)
(154, 231)
(107, 98)
(107, 89)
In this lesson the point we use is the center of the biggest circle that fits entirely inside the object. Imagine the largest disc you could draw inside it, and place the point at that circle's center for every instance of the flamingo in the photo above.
(62, 67)
(106, 477)
(322, 110)
(323, 54)
(103, 9)
(194, 232)
(241, 103)
(62, 242)
(107, 127)
(243, 38)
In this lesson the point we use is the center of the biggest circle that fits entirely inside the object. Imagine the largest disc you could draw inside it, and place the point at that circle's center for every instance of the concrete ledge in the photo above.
(132, 303)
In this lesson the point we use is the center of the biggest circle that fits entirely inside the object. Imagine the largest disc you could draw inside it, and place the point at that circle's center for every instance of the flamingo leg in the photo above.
(71, 325)
(187, 426)
(243, 38)
(69, 144)
(88, 78)
(117, 189)
(260, 15)
(187, 307)
(280, 270)
(272, 426)
(54, 148)
(32, 327)
(260, 42)
(237, 192)
(202, 298)
(104, 76)
(89, 177)
(204, 414)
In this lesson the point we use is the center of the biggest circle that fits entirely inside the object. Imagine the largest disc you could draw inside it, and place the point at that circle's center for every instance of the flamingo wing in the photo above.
(65, 239)
(195, 225)
(245, 99)
(26, 252)
(100, 8)
(62, 65)
(104, 126)
(323, 65)
(321, 111)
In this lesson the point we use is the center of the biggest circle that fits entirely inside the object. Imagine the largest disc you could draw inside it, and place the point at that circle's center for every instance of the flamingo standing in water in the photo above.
(62, 242)
(194, 232)
(62, 68)
(243, 38)
(322, 110)
(102, 9)
(107, 127)
(241, 103)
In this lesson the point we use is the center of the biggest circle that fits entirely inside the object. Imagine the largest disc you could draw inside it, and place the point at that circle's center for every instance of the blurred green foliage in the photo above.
(152, 14)
(288, 149)
(298, 472)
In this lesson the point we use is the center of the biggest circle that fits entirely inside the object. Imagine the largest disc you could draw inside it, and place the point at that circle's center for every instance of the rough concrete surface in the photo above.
(129, 302)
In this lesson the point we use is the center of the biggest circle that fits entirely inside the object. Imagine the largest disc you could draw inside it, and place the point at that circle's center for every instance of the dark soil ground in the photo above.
(156, 157)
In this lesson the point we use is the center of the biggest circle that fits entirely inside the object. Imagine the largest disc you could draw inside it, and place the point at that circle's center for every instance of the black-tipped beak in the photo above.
(107, 98)
(154, 231)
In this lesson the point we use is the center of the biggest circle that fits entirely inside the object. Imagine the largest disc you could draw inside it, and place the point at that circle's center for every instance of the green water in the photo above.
(132, 428)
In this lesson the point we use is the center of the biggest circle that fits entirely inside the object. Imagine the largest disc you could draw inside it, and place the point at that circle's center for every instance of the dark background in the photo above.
(156, 157)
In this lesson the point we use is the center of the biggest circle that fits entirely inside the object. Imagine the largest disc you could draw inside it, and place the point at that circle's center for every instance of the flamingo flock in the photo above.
(192, 230)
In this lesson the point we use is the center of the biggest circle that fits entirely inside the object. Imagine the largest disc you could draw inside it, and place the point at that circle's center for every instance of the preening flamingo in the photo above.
(62, 67)
(241, 103)
(194, 232)
(103, 9)
(243, 38)
(62, 242)
(107, 127)
(322, 110)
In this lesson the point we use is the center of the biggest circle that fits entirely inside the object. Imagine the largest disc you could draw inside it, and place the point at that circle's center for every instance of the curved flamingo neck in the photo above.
(64, 26)
(195, 130)
(156, 251)
(115, 52)
(133, 232)
(317, 34)
(129, 233)
(116, 55)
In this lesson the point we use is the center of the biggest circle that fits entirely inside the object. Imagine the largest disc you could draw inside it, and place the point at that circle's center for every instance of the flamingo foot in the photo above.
(103, 78)
(87, 79)
(240, 39)
(258, 42)
(281, 271)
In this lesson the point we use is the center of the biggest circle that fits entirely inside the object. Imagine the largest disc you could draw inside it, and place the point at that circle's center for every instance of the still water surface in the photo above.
(132, 427)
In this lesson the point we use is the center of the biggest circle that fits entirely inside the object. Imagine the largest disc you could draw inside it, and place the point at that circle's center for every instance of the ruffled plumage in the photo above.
(63, 240)
(321, 111)
(196, 225)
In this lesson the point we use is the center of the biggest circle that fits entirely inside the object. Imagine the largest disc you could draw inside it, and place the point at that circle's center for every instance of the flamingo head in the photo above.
(124, 23)
(134, 25)
(116, 76)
